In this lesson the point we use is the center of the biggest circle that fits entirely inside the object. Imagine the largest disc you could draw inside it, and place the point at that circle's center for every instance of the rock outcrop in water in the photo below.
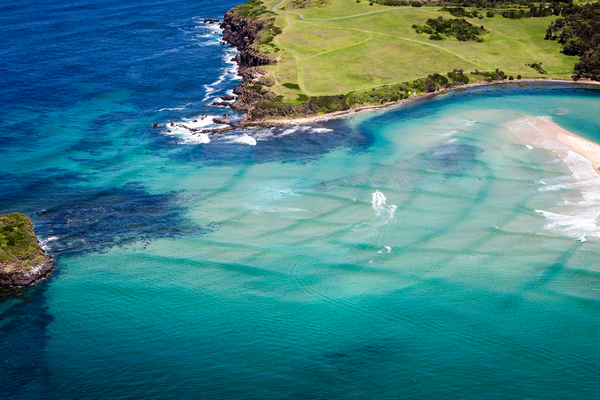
(241, 33)
(22, 260)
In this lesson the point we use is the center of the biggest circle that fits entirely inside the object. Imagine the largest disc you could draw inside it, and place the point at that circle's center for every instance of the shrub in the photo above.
(291, 86)
(460, 28)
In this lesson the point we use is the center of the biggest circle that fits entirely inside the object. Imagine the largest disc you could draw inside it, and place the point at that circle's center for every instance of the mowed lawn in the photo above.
(329, 57)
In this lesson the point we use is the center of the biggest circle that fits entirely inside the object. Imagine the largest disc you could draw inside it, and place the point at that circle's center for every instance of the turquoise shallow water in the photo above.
(281, 278)
(259, 265)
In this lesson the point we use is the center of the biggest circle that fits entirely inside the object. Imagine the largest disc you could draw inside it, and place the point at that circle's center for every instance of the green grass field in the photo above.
(353, 54)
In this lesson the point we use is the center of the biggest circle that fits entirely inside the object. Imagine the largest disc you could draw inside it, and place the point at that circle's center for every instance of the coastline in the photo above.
(246, 29)
(340, 114)
(543, 133)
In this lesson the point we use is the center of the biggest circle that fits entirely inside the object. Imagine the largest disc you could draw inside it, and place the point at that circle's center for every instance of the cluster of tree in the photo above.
(437, 81)
(506, 3)
(533, 12)
(460, 12)
(555, 5)
(579, 33)
(495, 75)
(439, 28)
(304, 105)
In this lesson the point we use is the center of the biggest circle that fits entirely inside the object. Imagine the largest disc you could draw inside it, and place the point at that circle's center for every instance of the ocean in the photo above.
(422, 251)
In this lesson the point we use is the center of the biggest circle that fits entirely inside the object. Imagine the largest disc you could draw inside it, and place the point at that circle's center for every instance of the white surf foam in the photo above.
(241, 139)
(321, 130)
(380, 206)
(577, 226)
(270, 133)
(580, 218)
(45, 241)
(228, 73)
(188, 130)
(448, 134)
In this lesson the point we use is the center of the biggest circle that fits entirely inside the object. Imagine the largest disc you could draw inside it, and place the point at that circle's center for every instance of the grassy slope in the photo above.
(330, 57)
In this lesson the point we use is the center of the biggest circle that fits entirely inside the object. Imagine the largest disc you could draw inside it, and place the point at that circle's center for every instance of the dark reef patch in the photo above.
(84, 218)
(100, 218)
(449, 158)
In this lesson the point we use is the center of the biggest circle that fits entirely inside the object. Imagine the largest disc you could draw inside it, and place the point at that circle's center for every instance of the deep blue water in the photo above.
(230, 270)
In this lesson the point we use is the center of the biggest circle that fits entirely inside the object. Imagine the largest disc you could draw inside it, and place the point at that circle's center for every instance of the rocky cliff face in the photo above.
(22, 260)
(241, 33)
(14, 275)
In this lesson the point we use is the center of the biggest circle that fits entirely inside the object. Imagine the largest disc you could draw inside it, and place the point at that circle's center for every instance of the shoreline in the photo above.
(538, 131)
(341, 114)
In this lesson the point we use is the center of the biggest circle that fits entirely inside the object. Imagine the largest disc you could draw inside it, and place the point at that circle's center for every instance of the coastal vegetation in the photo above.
(440, 28)
(22, 260)
(319, 64)
(18, 243)
(579, 34)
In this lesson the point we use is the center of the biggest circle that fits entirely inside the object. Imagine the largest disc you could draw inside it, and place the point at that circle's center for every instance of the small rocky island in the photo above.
(22, 260)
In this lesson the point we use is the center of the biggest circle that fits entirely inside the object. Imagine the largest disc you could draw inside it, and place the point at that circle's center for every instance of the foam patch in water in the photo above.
(228, 73)
(380, 206)
(241, 139)
(580, 220)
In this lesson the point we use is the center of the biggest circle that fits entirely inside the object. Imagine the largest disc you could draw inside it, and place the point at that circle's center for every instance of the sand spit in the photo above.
(542, 132)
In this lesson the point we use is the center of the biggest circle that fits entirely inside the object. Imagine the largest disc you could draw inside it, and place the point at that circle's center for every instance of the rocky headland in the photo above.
(23, 262)
(241, 33)
(251, 29)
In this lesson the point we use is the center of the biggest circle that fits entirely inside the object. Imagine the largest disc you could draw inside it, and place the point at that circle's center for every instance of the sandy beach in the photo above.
(542, 132)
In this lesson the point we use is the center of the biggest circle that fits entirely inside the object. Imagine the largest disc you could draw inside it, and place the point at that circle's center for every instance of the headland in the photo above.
(23, 262)
(303, 61)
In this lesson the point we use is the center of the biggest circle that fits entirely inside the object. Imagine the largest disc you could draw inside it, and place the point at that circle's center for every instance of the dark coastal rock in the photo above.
(22, 260)
(216, 130)
(210, 21)
(223, 121)
(241, 33)
(228, 98)
(221, 104)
